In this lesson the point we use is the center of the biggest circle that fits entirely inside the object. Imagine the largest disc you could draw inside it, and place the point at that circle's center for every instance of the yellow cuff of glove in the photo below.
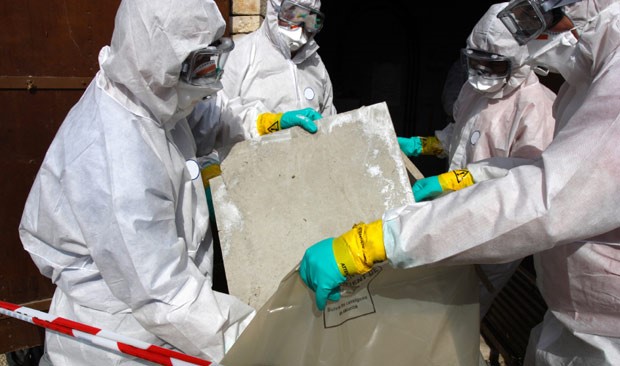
(358, 249)
(431, 146)
(211, 171)
(455, 180)
(268, 123)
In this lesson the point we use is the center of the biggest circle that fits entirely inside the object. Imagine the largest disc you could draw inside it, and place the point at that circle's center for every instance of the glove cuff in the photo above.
(268, 123)
(357, 250)
(455, 180)
(209, 172)
(431, 146)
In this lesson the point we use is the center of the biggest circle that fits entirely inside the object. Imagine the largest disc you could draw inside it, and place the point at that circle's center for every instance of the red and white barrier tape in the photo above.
(102, 338)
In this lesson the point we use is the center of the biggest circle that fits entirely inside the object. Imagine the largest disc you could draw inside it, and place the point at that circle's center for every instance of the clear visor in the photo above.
(526, 19)
(488, 65)
(292, 15)
(206, 65)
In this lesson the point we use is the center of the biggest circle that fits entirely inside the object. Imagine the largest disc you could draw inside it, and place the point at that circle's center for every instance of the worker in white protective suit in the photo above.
(277, 67)
(117, 216)
(562, 207)
(503, 112)
(274, 78)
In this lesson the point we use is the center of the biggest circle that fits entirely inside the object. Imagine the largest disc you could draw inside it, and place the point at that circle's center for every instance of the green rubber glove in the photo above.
(411, 146)
(416, 146)
(432, 187)
(426, 189)
(304, 118)
(320, 272)
(210, 171)
(210, 203)
(326, 263)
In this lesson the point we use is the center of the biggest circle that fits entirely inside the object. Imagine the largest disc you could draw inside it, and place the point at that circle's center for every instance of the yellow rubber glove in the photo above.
(431, 146)
(357, 250)
(418, 145)
(455, 180)
(209, 172)
(326, 264)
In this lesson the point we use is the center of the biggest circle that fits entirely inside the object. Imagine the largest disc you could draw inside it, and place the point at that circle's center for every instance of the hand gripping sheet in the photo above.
(280, 194)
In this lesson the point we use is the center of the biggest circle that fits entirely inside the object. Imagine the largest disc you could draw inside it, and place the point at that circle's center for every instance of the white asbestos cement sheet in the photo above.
(280, 194)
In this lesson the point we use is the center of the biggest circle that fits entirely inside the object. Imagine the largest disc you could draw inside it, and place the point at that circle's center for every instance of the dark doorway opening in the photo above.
(398, 53)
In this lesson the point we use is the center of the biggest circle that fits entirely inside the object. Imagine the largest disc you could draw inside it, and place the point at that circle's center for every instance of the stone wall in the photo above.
(247, 16)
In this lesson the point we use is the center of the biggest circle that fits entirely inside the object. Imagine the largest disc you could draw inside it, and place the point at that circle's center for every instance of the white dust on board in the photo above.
(233, 218)
(386, 135)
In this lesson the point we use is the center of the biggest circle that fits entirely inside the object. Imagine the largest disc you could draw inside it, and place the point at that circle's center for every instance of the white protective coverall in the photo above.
(116, 218)
(564, 207)
(262, 76)
(514, 123)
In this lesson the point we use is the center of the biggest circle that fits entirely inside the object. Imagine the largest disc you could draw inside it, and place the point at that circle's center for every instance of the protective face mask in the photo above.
(295, 39)
(553, 53)
(188, 95)
(486, 85)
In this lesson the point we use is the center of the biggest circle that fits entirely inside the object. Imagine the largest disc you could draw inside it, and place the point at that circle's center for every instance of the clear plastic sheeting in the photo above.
(422, 316)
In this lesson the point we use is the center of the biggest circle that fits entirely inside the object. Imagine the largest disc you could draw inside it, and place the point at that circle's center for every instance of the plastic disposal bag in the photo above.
(422, 316)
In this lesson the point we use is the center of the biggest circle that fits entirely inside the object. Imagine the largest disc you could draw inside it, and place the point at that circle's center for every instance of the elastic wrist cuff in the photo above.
(431, 146)
(344, 257)
(268, 123)
(210, 172)
(455, 180)
(374, 247)
(359, 248)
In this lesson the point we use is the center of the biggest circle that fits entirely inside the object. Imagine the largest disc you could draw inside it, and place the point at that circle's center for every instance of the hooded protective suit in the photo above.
(512, 124)
(515, 121)
(563, 206)
(117, 216)
(262, 76)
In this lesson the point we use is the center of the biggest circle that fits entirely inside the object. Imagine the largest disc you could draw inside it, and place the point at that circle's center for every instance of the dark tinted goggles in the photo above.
(206, 65)
(293, 15)
(527, 19)
(485, 64)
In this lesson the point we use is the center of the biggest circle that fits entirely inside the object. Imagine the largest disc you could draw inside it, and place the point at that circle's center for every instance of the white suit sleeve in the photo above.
(495, 167)
(328, 103)
(571, 193)
(232, 102)
(246, 113)
(213, 126)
